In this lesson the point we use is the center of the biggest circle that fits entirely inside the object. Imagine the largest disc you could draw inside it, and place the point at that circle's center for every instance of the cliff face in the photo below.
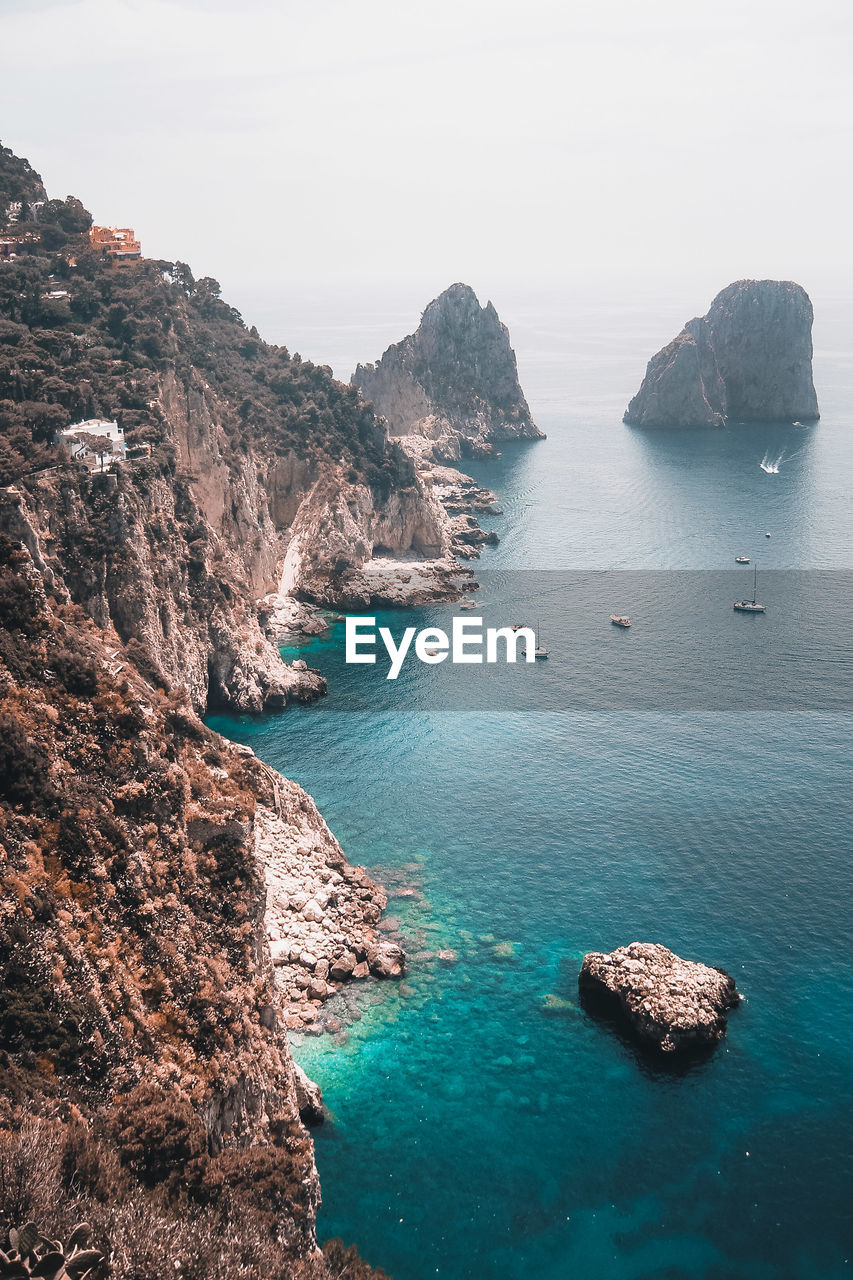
(761, 332)
(132, 945)
(174, 565)
(261, 466)
(454, 381)
(143, 1061)
(748, 360)
(140, 1013)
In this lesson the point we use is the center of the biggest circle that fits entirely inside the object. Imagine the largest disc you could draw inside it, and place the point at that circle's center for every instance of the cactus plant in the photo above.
(35, 1255)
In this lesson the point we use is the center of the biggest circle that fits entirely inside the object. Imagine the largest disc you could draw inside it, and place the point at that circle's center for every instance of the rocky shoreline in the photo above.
(321, 913)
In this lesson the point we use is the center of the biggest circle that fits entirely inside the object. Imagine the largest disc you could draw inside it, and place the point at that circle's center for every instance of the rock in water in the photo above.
(748, 360)
(454, 381)
(669, 1003)
(309, 1098)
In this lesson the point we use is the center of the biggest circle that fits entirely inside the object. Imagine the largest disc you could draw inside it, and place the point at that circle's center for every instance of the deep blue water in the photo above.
(483, 1125)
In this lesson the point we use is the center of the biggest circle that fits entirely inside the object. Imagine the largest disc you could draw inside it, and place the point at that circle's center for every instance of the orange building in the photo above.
(118, 243)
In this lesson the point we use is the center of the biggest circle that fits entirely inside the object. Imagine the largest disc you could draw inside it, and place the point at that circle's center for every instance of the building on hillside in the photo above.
(16, 210)
(95, 443)
(10, 244)
(119, 244)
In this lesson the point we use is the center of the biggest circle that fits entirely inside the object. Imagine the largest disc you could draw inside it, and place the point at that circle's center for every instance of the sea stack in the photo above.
(748, 360)
(669, 1004)
(454, 382)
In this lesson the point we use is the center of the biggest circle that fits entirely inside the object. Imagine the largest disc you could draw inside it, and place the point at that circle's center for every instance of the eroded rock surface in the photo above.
(669, 1003)
(453, 382)
(748, 360)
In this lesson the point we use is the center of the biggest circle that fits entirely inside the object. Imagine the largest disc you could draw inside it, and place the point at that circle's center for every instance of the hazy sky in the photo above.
(336, 142)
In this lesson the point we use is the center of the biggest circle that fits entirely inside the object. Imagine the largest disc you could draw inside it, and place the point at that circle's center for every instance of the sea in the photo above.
(686, 782)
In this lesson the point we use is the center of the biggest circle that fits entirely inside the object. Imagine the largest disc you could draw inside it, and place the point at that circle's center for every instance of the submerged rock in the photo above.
(748, 360)
(454, 381)
(669, 1003)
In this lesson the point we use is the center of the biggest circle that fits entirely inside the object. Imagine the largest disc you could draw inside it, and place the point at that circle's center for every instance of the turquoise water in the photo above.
(483, 1125)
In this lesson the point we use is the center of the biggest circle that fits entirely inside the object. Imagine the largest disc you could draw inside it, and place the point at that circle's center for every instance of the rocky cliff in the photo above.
(255, 473)
(142, 1023)
(748, 360)
(145, 1078)
(453, 382)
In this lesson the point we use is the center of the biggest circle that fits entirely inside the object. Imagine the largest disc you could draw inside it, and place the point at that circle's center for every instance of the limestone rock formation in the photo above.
(309, 1098)
(160, 889)
(454, 381)
(669, 1003)
(246, 465)
(748, 360)
(132, 900)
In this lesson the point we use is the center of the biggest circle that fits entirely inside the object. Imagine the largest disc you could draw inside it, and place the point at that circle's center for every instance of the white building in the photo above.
(87, 443)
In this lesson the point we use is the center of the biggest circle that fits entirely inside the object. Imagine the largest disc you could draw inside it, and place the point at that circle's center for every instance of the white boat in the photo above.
(620, 620)
(741, 559)
(767, 535)
(540, 651)
(751, 606)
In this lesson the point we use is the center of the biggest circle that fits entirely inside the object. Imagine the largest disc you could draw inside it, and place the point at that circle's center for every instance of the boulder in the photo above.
(341, 968)
(386, 959)
(670, 1004)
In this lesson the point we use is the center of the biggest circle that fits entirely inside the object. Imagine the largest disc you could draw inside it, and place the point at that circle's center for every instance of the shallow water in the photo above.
(483, 1125)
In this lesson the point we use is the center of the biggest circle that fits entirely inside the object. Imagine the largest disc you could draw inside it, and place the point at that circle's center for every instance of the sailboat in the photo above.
(750, 606)
(539, 651)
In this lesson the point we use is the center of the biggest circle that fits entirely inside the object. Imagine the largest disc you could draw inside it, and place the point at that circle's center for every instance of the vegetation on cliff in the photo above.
(80, 338)
(145, 1080)
(182, 546)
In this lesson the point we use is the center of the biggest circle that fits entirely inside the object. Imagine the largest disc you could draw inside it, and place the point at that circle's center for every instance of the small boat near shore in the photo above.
(467, 604)
(620, 620)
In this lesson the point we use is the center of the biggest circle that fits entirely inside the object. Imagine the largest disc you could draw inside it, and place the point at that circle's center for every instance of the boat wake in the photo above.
(772, 465)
